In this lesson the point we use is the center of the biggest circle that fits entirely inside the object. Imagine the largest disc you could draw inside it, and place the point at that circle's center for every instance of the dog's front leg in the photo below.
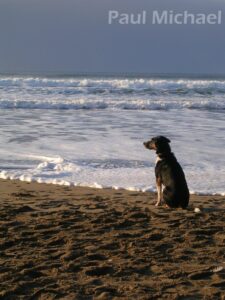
(159, 191)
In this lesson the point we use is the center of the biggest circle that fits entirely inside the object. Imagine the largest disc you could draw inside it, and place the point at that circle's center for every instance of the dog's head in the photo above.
(158, 143)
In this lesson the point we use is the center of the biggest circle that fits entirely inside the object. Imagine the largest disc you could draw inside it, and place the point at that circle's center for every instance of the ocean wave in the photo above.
(71, 86)
(122, 94)
(119, 104)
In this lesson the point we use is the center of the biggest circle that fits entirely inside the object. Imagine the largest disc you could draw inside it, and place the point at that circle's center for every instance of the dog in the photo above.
(169, 174)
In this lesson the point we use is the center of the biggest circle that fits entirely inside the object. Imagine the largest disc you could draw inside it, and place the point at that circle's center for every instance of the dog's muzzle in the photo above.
(146, 144)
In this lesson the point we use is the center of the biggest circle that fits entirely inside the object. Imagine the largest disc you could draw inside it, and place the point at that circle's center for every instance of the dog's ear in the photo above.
(156, 141)
(166, 140)
(162, 139)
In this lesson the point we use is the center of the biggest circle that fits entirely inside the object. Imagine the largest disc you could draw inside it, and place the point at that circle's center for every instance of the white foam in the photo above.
(139, 179)
(153, 103)
(114, 83)
(92, 94)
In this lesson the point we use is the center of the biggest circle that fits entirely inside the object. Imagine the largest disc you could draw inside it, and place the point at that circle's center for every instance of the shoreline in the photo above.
(84, 243)
(100, 187)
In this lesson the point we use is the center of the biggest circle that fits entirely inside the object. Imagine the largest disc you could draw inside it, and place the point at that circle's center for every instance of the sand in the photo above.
(80, 243)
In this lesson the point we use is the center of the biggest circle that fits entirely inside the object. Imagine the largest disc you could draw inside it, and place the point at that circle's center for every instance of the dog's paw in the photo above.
(158, 203)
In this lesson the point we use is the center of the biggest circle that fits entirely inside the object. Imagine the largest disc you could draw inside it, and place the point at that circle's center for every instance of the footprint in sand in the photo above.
(96, 257)
(204, 274)
(22, 209)
(99, 271)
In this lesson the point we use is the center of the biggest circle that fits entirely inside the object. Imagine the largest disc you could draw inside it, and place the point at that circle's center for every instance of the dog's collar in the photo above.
(163, 155)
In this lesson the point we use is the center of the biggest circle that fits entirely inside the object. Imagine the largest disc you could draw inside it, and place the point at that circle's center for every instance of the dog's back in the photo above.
(175, 192)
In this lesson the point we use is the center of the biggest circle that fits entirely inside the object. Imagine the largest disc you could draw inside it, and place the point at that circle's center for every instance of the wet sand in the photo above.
(80, 243)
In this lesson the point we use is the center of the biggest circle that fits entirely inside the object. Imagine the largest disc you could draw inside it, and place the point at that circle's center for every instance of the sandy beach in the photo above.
(61, 242)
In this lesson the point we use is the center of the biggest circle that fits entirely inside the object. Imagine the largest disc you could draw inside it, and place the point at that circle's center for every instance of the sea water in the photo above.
(90, 131)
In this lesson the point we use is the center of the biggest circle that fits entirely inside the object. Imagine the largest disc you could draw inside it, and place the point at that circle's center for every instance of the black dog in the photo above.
(169, 174)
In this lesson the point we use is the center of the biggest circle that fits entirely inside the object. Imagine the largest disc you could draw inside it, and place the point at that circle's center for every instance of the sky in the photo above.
(73, 36)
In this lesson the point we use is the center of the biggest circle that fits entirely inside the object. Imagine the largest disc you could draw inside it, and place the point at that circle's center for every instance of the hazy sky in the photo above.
(73, 36)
